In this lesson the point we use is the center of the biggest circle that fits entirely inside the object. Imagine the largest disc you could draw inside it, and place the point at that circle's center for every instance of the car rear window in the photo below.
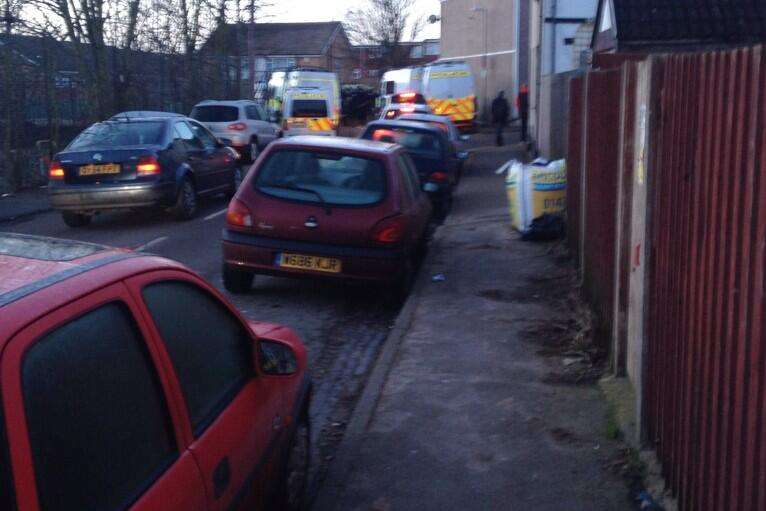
(215, 113)
(420, 143)
(309, 108)
(119, 134)
(333, 179)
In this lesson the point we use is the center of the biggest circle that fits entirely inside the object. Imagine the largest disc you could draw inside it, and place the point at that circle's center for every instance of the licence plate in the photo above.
(92, 170)
(306, 262)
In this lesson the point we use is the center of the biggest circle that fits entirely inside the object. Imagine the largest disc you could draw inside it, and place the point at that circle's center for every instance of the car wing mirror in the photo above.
(225, 141)
(462, 155)
(465, 138)
(275, 358)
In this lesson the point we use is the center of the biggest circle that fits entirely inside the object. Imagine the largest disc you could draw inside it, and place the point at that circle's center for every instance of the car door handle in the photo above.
(221, 477)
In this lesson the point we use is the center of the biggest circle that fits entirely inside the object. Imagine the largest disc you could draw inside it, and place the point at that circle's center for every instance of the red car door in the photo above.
(233, 416)
(420, 204)
(90, 418)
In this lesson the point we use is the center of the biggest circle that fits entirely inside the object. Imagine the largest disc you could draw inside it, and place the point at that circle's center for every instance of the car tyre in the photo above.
(73, 219)
(237, 281)
(253, 151)
(186, 202)
(294, 484)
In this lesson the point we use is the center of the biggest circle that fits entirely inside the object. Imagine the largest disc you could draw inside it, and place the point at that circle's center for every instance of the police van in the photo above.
(281, 82)
(449, 89)
(307, 111)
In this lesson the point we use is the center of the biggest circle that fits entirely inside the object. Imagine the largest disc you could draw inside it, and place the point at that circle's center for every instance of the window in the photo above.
(119, 133)
(96, 413)
(212, 353)
(410, 174)
(405, 178)
(7, 492)
(203, 135)
(309, 108)
(357, 73)
(253, 113)
(215, 113)
(420, 143)
(183, 133)
(416, 52)
(322, 178)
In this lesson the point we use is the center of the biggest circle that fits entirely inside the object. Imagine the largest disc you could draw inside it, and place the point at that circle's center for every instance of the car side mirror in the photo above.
(430, 187)
(462, 155)
(225, 142)
(276, 359)
(465, 138)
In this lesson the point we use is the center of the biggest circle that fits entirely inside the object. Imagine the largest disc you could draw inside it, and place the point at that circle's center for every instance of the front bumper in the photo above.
(99, 197)
(259, 254)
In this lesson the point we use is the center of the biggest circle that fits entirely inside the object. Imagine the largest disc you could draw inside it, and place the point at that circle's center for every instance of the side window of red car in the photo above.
(405, 177)
(412, 174)
(7, 493)
(98, 422)
(211, 351)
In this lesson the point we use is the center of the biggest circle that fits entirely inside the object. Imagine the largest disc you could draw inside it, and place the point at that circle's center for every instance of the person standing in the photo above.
(500, 113)
(522, 103)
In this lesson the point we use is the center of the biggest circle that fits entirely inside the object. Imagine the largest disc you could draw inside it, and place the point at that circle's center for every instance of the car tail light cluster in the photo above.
(439, 177)
(239, 215)
(148, 166)
(237, 126)
(56, 171)
(390, 114)
(389, 230)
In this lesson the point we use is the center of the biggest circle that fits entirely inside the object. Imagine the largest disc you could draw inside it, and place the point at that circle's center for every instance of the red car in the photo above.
(128, 382)
(330, 207)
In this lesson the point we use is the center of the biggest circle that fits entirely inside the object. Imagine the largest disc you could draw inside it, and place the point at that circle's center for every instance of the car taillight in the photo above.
(55, 171)
(148, 166)
(390, 114)
(238, 215)
(439, 177)
(237, 126)
(389, 230)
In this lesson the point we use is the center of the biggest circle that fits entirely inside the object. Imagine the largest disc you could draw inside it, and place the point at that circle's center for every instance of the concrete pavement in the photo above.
(24, 203)
(463, 417)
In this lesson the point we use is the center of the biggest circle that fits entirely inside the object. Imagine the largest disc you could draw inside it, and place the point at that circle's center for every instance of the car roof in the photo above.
(425, 117)
(225, 102)
(142, 114)
(39, 274)
(335, 143)
(383, 123)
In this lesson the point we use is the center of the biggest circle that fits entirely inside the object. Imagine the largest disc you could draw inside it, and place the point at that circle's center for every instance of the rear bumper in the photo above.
(98, 197)
(259, 254)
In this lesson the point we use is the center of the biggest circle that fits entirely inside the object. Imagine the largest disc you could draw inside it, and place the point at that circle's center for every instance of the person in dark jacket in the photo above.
(500, 113)
(522, 103)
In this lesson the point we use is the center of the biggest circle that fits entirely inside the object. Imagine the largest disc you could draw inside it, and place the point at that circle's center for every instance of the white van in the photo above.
(283, 81)
(307, 111)
(397, 81)
(450, 90)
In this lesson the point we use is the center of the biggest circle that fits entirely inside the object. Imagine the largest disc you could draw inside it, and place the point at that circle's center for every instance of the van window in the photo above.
(322, 178)
(309, 108)
(96, 413)
(211, 351)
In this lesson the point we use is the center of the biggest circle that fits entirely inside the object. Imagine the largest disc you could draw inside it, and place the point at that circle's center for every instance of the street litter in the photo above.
(536, 196)
(439, 277)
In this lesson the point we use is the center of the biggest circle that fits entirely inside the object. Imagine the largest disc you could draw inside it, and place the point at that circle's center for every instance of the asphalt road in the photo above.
(343, 326)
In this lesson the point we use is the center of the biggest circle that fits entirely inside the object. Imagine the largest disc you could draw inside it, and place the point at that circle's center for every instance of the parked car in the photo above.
(243, 124)
(435, 156)
(128, 382)
(337, 208)
(404, 103)
(445, 123)
(148, 162)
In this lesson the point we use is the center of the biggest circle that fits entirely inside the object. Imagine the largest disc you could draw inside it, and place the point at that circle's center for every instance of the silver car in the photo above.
(242, 124)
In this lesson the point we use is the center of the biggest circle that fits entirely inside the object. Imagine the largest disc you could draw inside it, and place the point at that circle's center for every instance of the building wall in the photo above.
(555, 35)
(463, 37)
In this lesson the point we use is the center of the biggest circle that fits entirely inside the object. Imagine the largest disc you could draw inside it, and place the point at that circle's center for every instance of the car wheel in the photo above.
(253, 151)
(73, 219)
(237, 281)
(237, 178)
(295, 479)
(186, 202)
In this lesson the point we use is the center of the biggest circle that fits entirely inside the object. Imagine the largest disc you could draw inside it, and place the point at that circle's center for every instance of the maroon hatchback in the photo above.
(329, 207)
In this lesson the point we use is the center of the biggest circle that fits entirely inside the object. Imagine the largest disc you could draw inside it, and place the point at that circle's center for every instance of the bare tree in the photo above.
(385, 23)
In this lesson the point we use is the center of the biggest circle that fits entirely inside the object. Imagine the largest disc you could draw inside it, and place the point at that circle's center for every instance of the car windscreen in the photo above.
(215, 113)
(309, 108)
(322, 178)
(421, 143)
(119, 134)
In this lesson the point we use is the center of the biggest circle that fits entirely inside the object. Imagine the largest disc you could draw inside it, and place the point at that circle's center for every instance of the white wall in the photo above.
(565, 58)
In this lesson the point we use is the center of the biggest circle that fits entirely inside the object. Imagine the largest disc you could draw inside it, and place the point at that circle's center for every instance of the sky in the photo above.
(335, 10)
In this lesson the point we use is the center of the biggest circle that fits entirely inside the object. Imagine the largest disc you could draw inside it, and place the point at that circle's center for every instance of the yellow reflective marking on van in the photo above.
(450, 74)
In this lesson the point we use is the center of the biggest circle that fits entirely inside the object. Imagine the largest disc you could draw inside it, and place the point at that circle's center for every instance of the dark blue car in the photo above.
(436, 159)
(140, 162)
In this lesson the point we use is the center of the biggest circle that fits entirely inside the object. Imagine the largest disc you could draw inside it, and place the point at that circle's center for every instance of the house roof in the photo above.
(276, 38)
(650, 22)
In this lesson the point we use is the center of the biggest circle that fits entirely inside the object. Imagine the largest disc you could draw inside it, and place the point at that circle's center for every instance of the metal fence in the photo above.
(703, 342)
